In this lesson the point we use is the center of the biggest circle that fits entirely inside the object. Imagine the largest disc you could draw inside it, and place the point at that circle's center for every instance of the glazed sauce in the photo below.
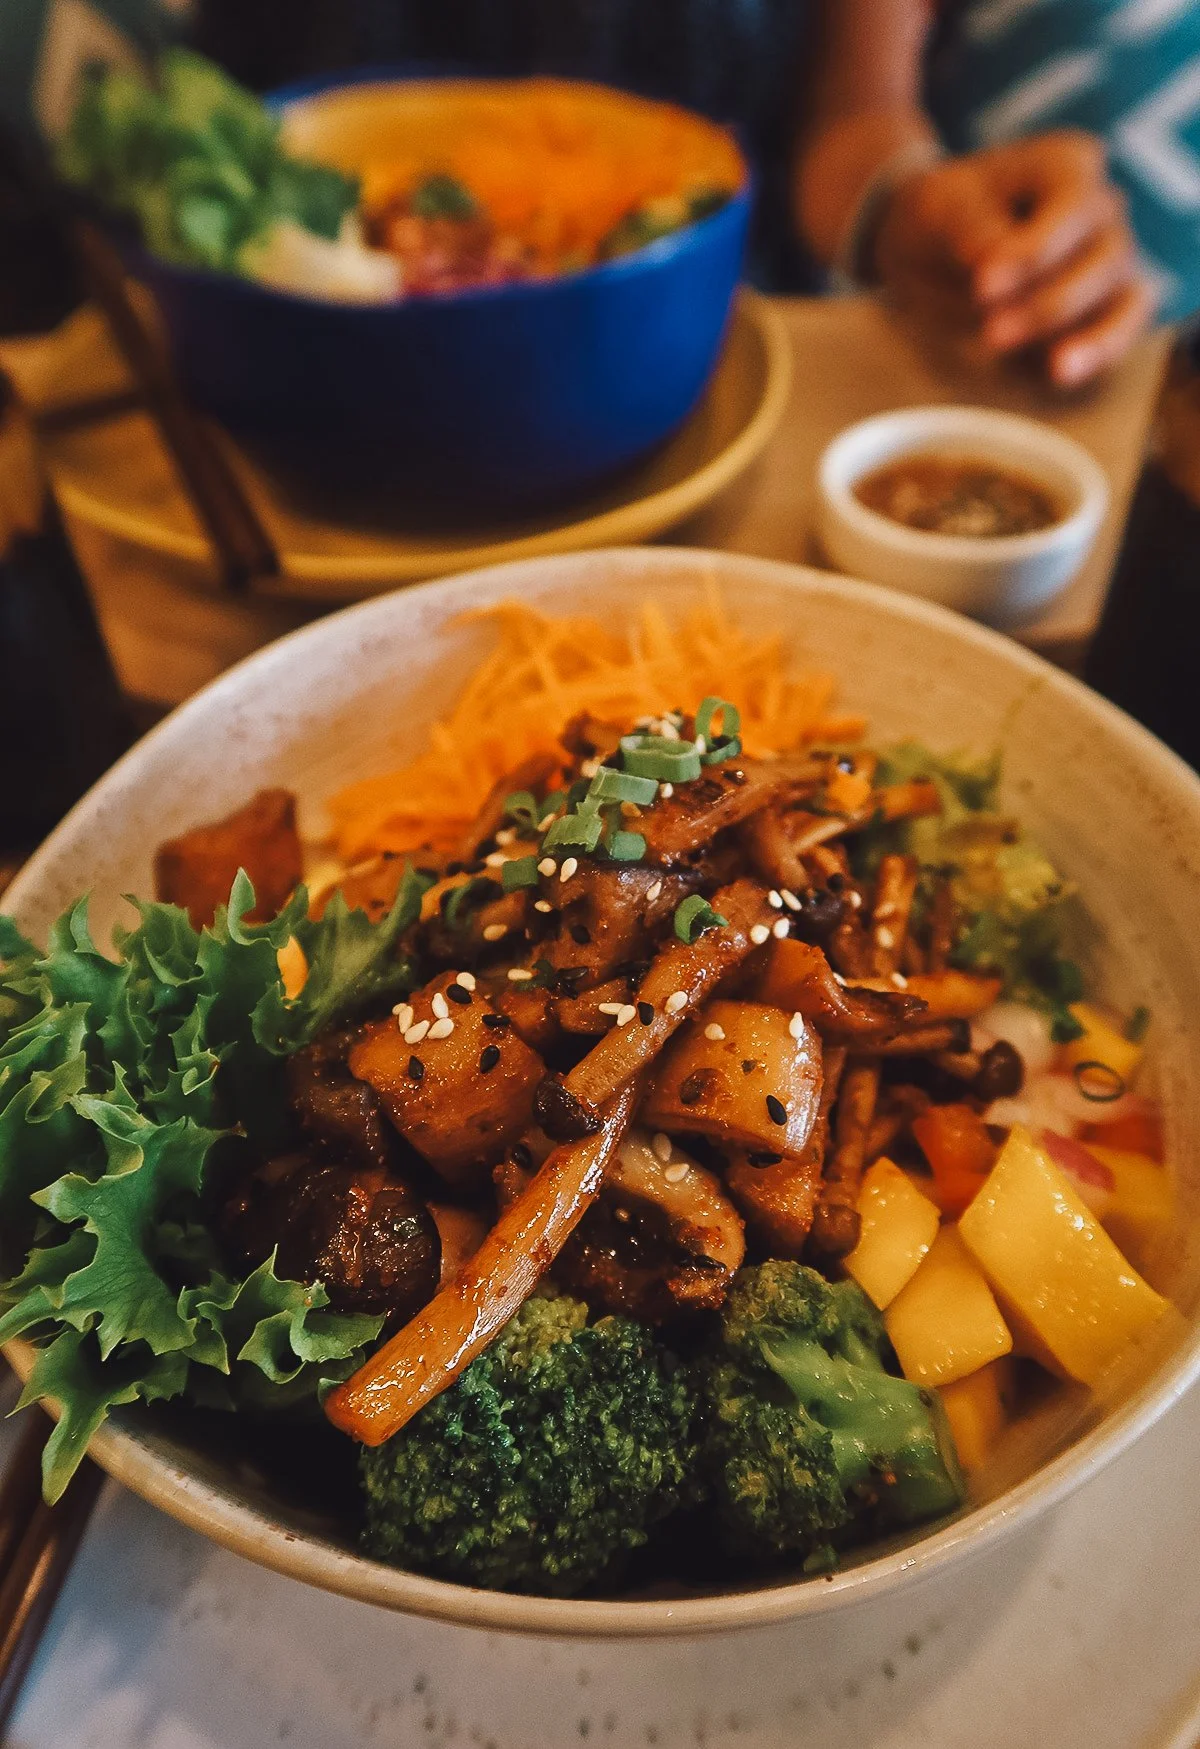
(958, 495)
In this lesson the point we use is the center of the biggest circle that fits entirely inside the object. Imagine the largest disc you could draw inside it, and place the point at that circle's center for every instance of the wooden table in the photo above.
(851, 359)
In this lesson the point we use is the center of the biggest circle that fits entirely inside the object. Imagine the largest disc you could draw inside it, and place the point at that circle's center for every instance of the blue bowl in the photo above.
(506, 396)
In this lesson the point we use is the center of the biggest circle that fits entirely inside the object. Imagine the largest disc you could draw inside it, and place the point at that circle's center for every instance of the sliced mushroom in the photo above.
(663, 1239)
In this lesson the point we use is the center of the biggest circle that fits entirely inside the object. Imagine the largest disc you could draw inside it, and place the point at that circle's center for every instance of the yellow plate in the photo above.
(116, 477)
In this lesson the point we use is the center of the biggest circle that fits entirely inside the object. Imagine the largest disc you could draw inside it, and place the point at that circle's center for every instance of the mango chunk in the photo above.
(1101, 1042)
(977, 1408)
(1060, 1278)
(1142, 1200)
(898, 1227)
(946, 1323)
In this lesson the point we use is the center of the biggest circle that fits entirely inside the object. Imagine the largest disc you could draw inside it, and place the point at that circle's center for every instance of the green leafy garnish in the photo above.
(126, 1082)
(198, 161)
(693, 916)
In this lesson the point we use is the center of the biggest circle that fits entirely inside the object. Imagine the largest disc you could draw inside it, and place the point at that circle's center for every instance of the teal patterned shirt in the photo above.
(1128, 70)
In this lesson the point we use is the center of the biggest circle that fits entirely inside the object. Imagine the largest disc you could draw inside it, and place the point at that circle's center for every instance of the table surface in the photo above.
(851, 359)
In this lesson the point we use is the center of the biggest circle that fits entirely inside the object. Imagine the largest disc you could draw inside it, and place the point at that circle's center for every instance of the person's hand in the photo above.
(1024, 245)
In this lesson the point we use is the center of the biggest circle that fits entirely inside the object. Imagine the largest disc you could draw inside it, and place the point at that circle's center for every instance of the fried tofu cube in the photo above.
(458, 1082)
(197, 869)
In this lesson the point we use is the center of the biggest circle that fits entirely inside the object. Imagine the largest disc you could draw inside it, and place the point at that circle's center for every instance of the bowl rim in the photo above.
(918, 428)
(732, 214)
(206, 1508)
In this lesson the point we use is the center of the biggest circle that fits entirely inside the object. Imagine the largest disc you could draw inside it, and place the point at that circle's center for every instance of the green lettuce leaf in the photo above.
(125, 1079)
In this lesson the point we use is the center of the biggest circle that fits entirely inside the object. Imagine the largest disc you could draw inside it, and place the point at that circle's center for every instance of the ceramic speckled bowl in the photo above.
(343, 697)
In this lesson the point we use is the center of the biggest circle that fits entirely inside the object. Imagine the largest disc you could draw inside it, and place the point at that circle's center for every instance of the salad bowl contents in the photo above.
(679, 1143)
(474, 274)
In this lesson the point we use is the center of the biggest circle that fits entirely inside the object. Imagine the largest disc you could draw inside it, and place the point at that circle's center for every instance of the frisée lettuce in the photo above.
(125, 1081)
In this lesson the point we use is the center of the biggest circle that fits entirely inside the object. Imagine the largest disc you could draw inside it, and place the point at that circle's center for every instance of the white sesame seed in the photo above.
(654, 892)
(899, 980)
(543, 905)
(568, 868)
(666, 791)
(626, 1013)
(701, 744)
(796, 1026)
(790, 900)
(885, 937)
(668, 731)
(441, 1028)
(854, 898)
(404, 1015)
(775, 900)
(779, 930)
(518, 975)
(495, 931)
(546, 820)
(466, 979)
(714, 1032)
(440, 1006)
(414, 1034)
(506, 835)
(838, 979)
(496, 859)
(676, 1001)
(759, 934)
(660, 1147)
(673, 1174)
(611, 1007)
(547, 865)
(589, 768)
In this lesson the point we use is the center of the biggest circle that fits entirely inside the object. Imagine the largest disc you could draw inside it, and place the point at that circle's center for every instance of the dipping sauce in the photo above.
(958, 495)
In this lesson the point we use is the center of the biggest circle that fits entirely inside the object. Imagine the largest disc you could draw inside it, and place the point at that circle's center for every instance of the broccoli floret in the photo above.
(810, 1441)
(549, 1459)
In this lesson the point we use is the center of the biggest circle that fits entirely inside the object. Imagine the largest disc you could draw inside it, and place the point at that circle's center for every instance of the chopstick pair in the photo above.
(37, 1545)
(244, 549)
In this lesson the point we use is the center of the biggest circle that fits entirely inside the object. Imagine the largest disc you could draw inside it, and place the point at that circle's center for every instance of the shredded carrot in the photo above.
(544, 671)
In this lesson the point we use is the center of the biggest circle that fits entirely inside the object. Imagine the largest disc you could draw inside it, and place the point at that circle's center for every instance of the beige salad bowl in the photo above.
(349, 695)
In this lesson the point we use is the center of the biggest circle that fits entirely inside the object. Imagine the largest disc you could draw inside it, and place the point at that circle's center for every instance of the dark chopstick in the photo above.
(243, 546)
(37, 1545)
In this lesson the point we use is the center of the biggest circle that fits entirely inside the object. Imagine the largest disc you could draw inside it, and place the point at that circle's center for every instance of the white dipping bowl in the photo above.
(1001, 579)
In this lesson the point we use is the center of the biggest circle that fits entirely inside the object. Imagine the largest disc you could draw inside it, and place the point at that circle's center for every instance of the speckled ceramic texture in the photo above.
(345, 697)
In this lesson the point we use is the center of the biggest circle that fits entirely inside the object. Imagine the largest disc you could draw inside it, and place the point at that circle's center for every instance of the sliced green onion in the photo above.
(621, 786)
(1136, 1025)
(655, 756)
(731, 718)
(1098, 1082)
(521, 871)
(581, 830)
(522, 806)
(577, 792)
(693, 916)
(627, 847)
(720, 751)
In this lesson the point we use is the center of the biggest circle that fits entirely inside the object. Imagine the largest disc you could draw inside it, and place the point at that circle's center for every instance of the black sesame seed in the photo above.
(460, 994)
(645, 1012)
(776, 1110)
(736, 776)
(836, 883)
(497, 1022)
(581, 934)
(416, 1069)
(520, 1156)
(748, 1065)
(764, 1159)
(485, 847)
(488, 1058)
(456, 867)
